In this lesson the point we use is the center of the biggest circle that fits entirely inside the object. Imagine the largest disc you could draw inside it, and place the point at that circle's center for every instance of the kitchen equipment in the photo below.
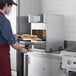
(33, 44)
(40, 63)
(69, 60)
(50, 31)
(40, 33)
(22, 27)
(54, 31)
(35, 18)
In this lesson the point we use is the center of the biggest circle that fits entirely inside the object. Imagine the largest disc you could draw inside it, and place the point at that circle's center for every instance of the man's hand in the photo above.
(19, 48)
(23, 50)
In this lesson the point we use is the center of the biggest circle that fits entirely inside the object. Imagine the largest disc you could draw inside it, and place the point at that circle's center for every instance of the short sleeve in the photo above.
(7, 32)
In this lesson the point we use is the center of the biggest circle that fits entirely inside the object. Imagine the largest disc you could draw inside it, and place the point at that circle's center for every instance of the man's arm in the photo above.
(19, 48)
(7, 34)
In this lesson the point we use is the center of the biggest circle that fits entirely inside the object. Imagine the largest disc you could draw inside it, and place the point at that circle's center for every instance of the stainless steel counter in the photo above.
(45, 55)
(41, 63)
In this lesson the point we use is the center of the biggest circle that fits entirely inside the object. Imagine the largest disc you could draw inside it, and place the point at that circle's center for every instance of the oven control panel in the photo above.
(69, 62)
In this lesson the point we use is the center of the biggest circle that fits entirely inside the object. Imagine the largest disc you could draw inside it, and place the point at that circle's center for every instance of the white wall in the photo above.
(30, 7)
(66, 8)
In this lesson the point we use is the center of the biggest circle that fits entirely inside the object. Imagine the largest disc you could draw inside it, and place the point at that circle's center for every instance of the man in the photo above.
(6, 38)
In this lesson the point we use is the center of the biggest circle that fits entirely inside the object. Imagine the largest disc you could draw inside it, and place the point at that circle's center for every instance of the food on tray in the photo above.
(25, 36)
(29, 36)
(34, 36)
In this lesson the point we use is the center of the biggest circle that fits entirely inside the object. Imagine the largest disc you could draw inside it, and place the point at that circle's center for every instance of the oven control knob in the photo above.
(74, 62)
(69, 62)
